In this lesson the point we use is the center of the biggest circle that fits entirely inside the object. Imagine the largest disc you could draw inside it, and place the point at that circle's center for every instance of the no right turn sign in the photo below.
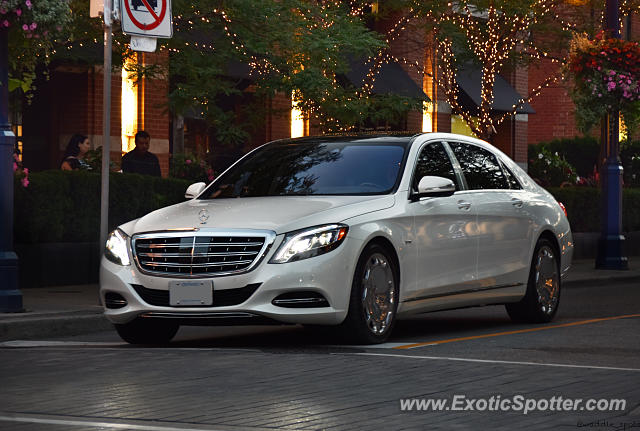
(151, 18)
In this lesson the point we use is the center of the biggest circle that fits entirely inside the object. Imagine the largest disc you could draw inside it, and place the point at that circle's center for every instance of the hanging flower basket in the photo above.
(605, 74)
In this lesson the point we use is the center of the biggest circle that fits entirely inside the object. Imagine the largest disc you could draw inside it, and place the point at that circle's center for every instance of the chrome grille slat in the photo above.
(197, 265)
(235, 253)
(202, 254)
(207, 244)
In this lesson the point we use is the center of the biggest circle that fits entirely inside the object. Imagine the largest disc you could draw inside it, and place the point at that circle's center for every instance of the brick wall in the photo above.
(410, 46)
(153, 115)
(279, 118)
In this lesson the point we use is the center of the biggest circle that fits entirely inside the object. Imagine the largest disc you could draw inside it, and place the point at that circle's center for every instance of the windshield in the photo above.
(313, 168)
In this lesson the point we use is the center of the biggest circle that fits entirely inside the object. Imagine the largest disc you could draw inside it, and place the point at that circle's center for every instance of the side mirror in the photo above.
(194, 190)
(433, 187)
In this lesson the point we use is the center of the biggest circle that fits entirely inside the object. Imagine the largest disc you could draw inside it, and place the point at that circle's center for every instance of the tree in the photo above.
(33, 26)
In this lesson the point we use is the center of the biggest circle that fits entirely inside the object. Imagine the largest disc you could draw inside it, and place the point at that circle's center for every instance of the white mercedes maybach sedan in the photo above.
(352, 231)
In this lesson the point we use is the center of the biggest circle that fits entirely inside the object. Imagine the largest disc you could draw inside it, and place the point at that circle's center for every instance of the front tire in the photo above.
(374, 297)
(147, 331)
(542, 298)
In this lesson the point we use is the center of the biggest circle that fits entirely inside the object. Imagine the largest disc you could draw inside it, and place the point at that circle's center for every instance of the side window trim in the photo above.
(456, 166)
(509, 174)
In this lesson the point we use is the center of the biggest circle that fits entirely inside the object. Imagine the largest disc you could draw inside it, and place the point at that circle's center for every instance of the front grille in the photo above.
(197, 255)
(221, 298)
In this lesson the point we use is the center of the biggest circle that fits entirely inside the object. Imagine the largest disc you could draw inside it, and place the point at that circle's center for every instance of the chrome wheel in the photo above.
(547, 280)
(378, 294)
(542, 298)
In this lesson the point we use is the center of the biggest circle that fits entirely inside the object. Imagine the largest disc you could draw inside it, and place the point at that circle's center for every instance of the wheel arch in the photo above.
(551, 237)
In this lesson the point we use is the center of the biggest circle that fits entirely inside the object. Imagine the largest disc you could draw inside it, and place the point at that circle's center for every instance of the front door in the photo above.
(445, 230)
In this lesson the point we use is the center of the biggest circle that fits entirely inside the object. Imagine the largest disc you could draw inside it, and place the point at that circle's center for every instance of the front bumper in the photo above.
(329, 275)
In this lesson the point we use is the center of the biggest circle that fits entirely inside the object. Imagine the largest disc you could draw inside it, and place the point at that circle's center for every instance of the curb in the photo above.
(52, 325)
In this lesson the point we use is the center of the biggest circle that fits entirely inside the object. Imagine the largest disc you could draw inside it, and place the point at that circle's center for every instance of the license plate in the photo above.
(190, 293)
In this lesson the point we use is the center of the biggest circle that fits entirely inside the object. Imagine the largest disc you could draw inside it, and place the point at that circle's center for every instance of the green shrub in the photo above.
(190, 167)
(551, 169)
(583, 153)
(64, 206)
(580, 152)
(630, 157)
(583, 208)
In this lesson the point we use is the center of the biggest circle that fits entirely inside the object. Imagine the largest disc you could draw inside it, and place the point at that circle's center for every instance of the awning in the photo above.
(391, 79)
(505, 96)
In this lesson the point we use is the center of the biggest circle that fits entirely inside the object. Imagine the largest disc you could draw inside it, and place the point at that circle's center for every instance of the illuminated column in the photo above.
(129, 109)
(427, 118)
(297, 119)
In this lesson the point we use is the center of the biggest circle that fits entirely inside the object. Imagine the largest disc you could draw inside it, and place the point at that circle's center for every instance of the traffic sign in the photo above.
(150, 18)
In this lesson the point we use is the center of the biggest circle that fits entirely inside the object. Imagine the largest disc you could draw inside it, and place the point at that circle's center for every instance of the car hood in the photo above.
(278, 213)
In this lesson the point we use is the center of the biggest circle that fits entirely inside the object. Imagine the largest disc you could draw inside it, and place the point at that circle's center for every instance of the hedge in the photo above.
(64, 206)
(583, 153)
(583, 207)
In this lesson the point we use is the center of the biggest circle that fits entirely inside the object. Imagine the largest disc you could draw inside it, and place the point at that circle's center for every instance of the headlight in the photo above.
(310, 242)
(116, 248)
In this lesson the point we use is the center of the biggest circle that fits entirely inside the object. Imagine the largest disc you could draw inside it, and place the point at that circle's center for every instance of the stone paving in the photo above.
(309, 390)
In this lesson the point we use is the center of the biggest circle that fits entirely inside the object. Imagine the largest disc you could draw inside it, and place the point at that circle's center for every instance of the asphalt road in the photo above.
(292, 378)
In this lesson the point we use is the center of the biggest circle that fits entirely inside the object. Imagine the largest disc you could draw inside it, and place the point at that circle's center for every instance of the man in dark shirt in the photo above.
(140, 160)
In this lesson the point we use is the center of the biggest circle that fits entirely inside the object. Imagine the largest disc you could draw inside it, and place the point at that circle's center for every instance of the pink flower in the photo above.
(611, 86)
(612, 73)
(3, 11)
(28, 3)
(188, 161)
(25, 27)
(599, 94)
(18, 12)
(5, 23)
(25, 182)
(26, 171)
(33, 26)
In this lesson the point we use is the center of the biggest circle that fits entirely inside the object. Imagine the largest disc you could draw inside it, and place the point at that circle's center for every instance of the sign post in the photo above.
(106, 124)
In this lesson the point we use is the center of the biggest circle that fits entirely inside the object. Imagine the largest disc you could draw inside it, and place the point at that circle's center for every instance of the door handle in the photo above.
(464, 205)
(516, 202)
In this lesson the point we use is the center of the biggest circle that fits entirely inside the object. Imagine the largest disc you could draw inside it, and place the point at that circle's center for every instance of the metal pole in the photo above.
(611, 242)
(10, 295)
(106, 122)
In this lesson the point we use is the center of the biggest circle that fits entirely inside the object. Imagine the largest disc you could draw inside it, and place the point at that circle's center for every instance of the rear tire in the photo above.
(147, 331)
(542, 298)
(374, 297)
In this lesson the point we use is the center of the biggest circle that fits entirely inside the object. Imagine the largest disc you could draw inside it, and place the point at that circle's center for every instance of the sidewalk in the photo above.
(72, 310)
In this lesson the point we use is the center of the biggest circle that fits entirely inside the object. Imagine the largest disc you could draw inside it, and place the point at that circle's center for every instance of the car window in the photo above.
(434, 161)
(511, 179)
(312, 168)
(479, 166)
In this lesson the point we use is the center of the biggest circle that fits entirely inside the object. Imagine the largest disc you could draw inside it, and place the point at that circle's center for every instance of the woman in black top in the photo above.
(73, 158)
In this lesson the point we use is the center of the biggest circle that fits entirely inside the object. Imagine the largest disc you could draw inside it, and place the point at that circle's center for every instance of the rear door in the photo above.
(504, 228)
